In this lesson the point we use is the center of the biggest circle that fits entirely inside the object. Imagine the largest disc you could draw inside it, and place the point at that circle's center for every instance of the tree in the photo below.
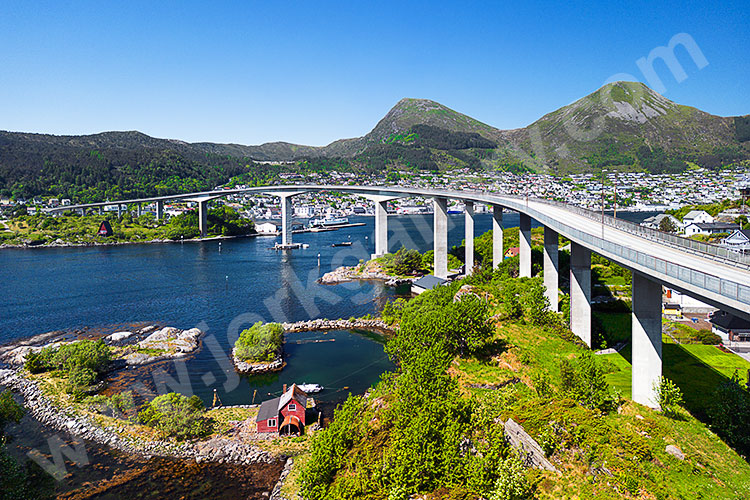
(668, 396)
(176, 415)
(667, 225)
(261, 342)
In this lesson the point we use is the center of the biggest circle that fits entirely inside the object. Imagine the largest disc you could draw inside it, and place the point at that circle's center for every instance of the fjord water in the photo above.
(222, 288)
(193, 284)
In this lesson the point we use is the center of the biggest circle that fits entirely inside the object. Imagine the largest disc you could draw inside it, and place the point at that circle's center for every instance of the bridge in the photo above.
(706, 272)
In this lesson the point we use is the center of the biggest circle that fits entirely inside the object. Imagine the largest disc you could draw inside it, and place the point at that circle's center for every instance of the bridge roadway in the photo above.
(708, 273)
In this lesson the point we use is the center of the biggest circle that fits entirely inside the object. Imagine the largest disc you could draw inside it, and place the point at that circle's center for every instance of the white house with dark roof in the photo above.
(696, 216)
(709, 228)
(738, 241)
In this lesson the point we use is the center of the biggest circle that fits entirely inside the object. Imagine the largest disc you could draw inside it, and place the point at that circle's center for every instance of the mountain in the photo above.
(622, 125)
(627, 123)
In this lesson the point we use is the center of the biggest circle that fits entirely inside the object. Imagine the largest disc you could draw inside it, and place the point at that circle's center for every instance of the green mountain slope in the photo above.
(623, 125)
(611, 125)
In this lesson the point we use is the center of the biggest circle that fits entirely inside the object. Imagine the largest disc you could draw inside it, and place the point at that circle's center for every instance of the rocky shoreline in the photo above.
(306, 326)
(346, 274)
(65, 244)
(254, 368)
(214, 450)
(130, 348)
(337, 324)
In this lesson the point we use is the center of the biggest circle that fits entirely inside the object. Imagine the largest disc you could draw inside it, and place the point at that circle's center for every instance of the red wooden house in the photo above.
(285, 414)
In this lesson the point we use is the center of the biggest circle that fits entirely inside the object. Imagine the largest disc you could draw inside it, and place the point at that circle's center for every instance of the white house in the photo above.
(730, 327)
(709, 228)
(266, 228)
(738, 241)
(696, 216)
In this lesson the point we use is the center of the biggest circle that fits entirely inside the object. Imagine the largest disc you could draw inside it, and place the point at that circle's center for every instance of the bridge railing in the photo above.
(724, 287)
(715, 252)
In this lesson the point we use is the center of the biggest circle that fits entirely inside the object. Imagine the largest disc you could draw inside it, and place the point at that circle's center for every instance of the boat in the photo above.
(329, 221)
(310, 388)
(342, 244)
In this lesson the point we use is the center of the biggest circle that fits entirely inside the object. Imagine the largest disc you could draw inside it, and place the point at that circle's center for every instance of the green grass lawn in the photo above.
(630, 443)
(696, 369)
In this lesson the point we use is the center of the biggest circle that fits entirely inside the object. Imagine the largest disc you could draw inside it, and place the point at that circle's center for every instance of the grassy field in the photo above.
(620, 454)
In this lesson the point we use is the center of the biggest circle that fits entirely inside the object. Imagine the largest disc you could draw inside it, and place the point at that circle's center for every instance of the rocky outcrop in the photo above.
(531, 453)
(337, 324)
(213, 450)
(246, 367)
(167, 343)
(675, 451)
(276, 492)
(345, 274)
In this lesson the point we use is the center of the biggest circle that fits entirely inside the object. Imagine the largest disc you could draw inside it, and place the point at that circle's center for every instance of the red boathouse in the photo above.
(285, 414)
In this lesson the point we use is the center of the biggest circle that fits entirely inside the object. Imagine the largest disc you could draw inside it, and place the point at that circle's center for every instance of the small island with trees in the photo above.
(259, 348)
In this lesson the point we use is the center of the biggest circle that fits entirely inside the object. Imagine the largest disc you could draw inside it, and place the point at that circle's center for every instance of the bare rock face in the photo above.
(675, 452)
(172, 339)
(167, 343)
(118, 337)
(531, 453)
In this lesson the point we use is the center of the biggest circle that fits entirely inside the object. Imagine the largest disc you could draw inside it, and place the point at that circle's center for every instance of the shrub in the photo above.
(668, 396)
(38, 362)
(708, 337)
(405, 261)
(730, 414)
(10, 411)
(328, 449)
(176, 415)
(261, 342)
(512, 483)
(81, 377)
(91, 354)
(583, 379)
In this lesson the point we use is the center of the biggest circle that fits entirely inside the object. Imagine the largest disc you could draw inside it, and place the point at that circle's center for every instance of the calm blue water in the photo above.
(222, 292)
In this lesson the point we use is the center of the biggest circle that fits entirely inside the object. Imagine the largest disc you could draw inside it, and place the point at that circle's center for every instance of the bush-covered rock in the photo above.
(176, 415)
(261, 342)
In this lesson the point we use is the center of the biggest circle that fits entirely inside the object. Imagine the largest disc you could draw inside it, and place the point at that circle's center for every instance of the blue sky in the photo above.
(313, 72)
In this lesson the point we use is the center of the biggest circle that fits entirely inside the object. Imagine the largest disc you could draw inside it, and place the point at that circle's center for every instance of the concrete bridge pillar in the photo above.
(159, 210)
(497, 236)
(119, 210)
(580, 292)
(524, 242)
(551, 267)
(381, 228)
(286, 220)
(441, 237)
(469, 236)
(646, 338)
(203, 217)
(139, 209)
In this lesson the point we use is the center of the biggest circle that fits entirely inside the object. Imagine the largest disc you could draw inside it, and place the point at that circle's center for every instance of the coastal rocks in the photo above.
(167, 343)
(336, 324)
(342, 274)
(531, 453)
(16, 356)
(276, 492)
(213, 450)
(245, 367)
(368, 271)
(675, 452)
(117, 337)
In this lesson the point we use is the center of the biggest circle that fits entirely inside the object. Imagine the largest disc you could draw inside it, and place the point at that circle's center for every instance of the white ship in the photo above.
(329, 221)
